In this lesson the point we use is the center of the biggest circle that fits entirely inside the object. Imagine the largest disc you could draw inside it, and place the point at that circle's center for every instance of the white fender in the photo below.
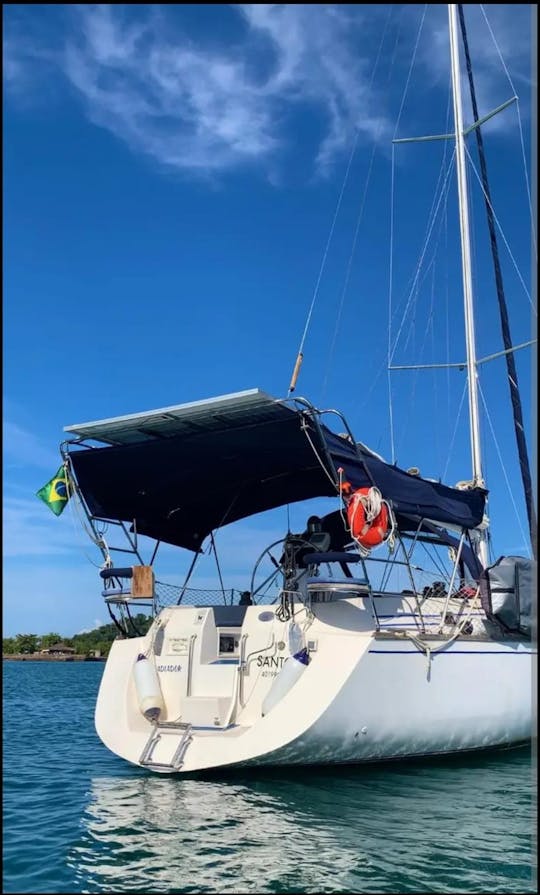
(148, 690)
(292, 670)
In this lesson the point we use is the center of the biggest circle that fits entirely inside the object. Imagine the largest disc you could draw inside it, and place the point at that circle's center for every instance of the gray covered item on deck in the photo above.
(506, 590)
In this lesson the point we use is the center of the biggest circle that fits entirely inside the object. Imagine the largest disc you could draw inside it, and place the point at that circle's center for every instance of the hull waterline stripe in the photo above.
(416, 615)
(451, 652)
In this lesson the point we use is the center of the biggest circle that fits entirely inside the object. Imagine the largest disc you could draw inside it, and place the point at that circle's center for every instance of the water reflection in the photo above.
(453, 826)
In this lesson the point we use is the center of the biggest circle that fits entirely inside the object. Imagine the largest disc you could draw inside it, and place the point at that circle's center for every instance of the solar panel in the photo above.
(239, 408)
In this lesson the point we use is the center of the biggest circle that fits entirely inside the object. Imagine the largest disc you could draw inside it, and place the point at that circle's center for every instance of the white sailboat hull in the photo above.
(363, 697)
(390, 709)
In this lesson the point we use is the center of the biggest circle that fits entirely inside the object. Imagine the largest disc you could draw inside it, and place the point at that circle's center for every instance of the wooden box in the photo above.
(142, 584)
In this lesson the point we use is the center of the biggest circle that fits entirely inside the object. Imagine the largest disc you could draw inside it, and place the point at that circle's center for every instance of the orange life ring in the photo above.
(368, 534)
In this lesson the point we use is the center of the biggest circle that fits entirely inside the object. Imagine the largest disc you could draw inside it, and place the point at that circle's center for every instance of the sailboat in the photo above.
(349, 649)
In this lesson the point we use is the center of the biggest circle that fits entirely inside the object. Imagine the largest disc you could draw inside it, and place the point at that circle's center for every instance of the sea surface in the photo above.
(78, 819)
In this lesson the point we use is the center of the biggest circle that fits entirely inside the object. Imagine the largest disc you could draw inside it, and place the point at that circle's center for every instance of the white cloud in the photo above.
(12, 63)
(198, 107)
(202, 106)
(504, 31)
(24, 449)
(30, 529)
(318, 62)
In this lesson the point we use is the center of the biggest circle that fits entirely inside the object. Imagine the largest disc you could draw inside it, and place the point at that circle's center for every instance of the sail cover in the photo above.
(182, 472)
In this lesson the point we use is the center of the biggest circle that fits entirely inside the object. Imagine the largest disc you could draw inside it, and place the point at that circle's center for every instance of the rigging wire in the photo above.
(77, 514)
(360, 215)
(501, 231)
(503, 311)
(411, 66)
(217, 563)
(436, 561)
(391, 264)
(460, 408)
(523, 155)
(434, 374)
(300, 354)
(391, 278)
(503, 467)
(319, 458)
(348, 273)
(385, 365)
(445, 261)
(420, 280)
(431, 223)
(417, 280)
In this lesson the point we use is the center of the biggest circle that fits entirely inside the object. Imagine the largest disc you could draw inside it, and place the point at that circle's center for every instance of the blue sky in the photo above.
(171, 176)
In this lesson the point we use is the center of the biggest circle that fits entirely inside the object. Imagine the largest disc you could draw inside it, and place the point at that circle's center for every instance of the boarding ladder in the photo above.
(159, 729)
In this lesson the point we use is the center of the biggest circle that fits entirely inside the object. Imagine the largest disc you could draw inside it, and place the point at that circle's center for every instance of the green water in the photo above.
(78, 819)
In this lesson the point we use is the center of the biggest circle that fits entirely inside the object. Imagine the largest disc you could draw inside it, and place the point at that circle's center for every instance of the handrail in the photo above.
(192, 640)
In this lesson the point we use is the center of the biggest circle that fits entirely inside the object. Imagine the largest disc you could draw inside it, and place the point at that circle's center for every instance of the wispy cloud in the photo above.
(201, 107)
(500, 48)
(24, 449)
(30, 529)
(198, 103)
(13, 64)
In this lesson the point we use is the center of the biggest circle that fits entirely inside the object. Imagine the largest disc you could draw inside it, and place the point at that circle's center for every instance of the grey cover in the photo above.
(507, 589)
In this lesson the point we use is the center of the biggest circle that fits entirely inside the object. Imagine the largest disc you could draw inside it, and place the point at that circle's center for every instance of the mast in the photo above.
(472, 371)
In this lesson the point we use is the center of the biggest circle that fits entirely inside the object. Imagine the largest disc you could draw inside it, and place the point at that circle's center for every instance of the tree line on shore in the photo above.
(88, 641)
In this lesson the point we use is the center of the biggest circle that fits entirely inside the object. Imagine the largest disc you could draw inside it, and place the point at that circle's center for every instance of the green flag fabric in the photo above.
(55, 493)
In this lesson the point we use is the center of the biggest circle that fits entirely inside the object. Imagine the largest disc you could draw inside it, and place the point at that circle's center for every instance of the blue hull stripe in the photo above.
(451, 652)
(418, 615)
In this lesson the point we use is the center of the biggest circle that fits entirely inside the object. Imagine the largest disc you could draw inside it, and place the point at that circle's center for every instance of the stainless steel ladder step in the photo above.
(167, 727)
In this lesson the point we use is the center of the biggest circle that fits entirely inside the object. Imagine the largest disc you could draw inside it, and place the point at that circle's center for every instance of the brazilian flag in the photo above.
(55, 493)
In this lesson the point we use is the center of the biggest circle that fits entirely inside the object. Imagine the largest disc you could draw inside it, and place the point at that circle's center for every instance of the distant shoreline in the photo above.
(31, 657)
